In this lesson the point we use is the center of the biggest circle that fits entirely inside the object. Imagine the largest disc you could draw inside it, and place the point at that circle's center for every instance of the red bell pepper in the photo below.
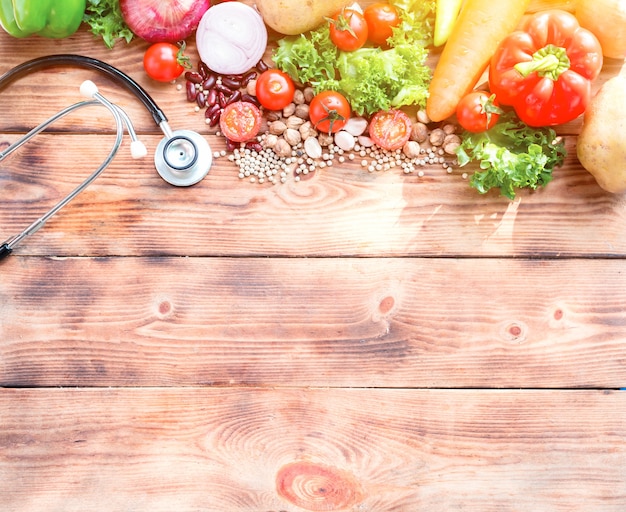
(545, 69)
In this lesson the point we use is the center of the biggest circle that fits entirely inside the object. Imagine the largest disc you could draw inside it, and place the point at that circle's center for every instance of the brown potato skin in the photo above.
(601, 146)
(293, 17)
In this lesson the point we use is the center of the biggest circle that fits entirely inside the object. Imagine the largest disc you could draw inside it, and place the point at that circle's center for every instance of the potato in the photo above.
(601, 145)
(292, 17)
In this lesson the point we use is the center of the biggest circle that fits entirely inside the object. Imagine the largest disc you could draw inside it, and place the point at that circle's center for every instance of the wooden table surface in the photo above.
(354, 341)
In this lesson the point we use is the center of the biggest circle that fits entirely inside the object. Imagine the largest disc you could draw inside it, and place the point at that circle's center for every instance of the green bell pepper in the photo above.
(47, 18)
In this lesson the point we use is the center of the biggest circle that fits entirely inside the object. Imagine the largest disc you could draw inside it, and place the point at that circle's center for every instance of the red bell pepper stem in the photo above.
(549, 62)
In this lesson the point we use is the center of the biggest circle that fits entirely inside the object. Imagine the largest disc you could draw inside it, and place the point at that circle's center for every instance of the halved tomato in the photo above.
(240, 121)
(390, 129)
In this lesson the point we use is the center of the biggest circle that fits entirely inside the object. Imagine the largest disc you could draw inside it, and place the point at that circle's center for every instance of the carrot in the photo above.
(479, 29)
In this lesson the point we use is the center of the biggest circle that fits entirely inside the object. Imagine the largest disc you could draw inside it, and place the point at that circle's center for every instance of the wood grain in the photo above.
(352, 342)
(337, 322)
(131, 211)
(217, 450)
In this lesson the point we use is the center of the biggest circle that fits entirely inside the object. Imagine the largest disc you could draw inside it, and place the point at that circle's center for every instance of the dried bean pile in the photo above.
(290, 146)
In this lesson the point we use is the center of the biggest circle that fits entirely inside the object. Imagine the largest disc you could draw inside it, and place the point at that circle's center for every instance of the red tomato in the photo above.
(275, 89)
(348, 30)
(478, 111)
(329, 111)
(240, 121)
(164, 62)
(381, 17)
(390, 129)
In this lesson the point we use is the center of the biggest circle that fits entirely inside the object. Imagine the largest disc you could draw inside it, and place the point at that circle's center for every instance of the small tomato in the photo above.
(381, 17)
(390, 129)
(478, 111)
(165, 62)
(348, 30)
(274, 89)
(329, 111)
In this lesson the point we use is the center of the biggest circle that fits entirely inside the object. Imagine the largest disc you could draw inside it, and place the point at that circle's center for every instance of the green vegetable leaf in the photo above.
(417, 23)
(371, 78)
(511, 155)
(105, 20)
(308, 58)
(374, 79)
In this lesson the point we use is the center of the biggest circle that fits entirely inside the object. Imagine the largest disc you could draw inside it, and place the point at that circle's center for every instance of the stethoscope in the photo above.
(182, 158)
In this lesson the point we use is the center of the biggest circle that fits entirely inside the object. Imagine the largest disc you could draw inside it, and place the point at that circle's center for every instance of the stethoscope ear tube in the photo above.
(82, 61)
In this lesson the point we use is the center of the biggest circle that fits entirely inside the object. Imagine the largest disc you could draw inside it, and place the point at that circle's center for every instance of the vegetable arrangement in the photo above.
(357, 79)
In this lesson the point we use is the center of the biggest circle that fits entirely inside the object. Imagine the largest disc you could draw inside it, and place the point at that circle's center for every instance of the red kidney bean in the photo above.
(250, 99)
(209, 82)
(221, 87)
(211, 97)
(231, 145)
(204, 70)
(194, 77)
(231, 83)
(262, 66)
(254, 146)
(250, 75)
(201, 99)
(221, 99)
(211, 110)
(192, 92)
(235, 96)
(215, 118)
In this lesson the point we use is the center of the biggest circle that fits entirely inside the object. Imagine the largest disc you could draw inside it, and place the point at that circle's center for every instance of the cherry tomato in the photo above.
(240, 121)
(381, 17)
(348, 30)
(478, 111)
(274, 89)
(329, 111)
(390, 129)
(164, 62)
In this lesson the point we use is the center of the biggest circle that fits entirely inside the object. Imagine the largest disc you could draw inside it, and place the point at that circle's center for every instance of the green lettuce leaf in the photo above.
(511, 155)
(104, 17)
(371, 78)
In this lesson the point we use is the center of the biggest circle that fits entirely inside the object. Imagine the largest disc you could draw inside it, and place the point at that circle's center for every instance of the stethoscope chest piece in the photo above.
(183, 159)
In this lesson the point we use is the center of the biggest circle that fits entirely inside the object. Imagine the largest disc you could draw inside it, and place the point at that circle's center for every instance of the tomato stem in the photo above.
(548, 62)
(181, 58)
(332, 116)
(342, 23)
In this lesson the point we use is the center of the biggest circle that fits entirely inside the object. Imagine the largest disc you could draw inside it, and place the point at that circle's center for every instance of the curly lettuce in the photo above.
(511, 155)
(374, 79)
(105, 20)
(371, 78)
(417, 23)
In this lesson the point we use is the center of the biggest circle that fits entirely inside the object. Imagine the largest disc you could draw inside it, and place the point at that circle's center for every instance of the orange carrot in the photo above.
(479, 29)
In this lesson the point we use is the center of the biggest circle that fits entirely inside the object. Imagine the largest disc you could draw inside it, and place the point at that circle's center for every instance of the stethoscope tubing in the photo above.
(83, 61)
(7, 246)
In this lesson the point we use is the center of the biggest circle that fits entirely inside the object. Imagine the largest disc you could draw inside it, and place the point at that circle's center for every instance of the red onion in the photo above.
(163, 20)
(231, 38)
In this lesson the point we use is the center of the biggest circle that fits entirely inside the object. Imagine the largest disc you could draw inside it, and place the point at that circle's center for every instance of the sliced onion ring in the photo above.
(231, 38)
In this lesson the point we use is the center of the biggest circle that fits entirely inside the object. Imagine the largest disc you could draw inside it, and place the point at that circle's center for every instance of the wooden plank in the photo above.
(313, 322)
(131, 211)
(216, 450)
